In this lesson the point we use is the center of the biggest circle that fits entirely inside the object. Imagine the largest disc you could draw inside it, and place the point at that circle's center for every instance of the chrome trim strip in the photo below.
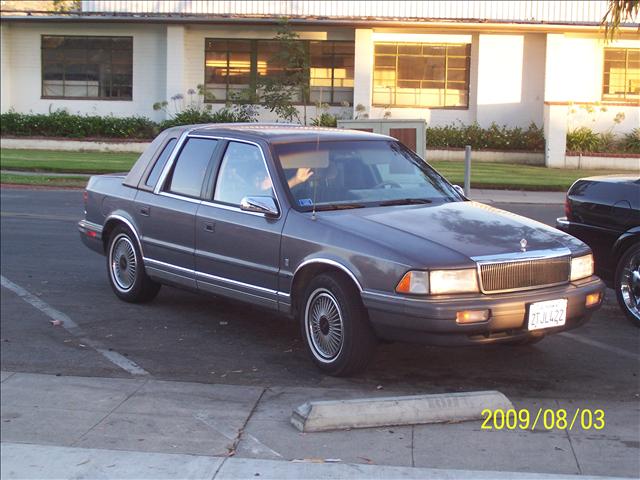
(168, 265)
(232, 208)
(563, 221)
(86, 224)
(327, 261)
(203, 275)
(235, 282)
(131, 227)
(524, 256)
(180, 197)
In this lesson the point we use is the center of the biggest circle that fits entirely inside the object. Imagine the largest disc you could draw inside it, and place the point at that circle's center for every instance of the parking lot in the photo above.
(189, 338)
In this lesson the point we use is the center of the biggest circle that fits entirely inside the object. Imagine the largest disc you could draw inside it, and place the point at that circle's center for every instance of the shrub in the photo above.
(325, 120)
(494, 138)
(631, 141)
(190, 115)
(60, 123)
(583, 139)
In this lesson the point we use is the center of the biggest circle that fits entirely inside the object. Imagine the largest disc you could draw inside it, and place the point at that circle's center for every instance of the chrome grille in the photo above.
(525, 274)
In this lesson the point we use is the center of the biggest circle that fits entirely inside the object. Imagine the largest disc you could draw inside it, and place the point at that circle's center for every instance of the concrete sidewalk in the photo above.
(55, 426)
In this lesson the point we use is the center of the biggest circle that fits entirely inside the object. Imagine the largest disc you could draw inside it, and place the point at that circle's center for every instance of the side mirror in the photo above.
(460, 190)
(265, 205)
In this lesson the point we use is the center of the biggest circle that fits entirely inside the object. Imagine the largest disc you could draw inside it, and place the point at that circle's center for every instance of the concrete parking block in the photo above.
(317, 416)
(5, 375)
(466, 446)
(279, 440)
(45, 425)
(37, 461)
(69, 393)
(189, 399)
(161, 433)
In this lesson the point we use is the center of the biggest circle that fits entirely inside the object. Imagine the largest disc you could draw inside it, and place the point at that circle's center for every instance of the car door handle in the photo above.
(144, 211)
(209, 227)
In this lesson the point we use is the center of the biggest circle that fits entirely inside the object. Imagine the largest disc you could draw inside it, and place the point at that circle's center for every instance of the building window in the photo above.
(621, 80)
(421, 75)
(87, 67)
(236, 65)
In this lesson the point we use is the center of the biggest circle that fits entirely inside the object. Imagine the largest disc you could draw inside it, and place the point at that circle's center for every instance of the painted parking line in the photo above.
(73, 328)
(603, 346)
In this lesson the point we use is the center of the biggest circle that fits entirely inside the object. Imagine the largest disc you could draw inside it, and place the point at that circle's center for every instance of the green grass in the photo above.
(483, 175)
(66, 162)
(43, 180)
(516, 177)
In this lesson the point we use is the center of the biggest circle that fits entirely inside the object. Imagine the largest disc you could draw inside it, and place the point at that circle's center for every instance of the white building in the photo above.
(512, 63)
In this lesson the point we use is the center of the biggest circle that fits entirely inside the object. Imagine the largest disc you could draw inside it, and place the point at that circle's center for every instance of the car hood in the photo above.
(469, 229)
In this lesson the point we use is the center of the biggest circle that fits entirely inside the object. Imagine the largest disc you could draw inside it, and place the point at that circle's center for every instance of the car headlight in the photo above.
(453, 281)
(581, 267)
(438, 282)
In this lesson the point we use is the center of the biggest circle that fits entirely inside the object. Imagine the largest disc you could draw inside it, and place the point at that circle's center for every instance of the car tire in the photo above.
(125, 268)
(627, 283)
(335, 326)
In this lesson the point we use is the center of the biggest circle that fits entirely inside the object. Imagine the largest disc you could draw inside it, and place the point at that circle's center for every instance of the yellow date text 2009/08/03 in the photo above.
(543, 418)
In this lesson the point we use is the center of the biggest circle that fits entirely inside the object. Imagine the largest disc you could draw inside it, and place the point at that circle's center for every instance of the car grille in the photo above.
(525, 274)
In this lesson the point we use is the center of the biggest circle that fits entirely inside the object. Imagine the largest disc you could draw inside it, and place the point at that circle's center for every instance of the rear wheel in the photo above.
(126, 273)
(335, 326)
(627, 283)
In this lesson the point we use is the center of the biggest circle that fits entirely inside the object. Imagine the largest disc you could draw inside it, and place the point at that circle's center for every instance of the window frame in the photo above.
(253, 75)
(626, 98)
(64, 97)
(446, 73)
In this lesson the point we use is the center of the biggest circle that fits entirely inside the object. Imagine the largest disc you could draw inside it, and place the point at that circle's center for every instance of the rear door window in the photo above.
(190, 167)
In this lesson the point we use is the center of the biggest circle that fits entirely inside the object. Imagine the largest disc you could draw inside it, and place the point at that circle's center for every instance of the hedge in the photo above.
(493, 138)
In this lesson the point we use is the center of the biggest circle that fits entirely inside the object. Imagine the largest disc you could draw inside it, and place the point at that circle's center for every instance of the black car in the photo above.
(604, 212)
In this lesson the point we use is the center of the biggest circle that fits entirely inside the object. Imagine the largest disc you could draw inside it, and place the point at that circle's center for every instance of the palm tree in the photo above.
(620, 11)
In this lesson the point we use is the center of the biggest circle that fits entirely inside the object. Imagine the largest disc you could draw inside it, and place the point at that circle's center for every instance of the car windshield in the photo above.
(353, 174)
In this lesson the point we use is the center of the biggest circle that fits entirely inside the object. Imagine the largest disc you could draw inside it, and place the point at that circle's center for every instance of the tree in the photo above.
(620, 11)
(289, 84)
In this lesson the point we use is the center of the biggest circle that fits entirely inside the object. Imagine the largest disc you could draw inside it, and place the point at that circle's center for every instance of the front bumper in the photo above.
(433, 320)
(91, 235)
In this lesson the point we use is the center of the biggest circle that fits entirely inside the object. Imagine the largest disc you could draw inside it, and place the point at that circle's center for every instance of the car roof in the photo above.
(277, 133)
(621, 178)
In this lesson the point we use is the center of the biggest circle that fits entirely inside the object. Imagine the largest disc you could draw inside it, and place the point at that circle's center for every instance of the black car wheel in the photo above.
(125, 268)
(335, 326)
(627, 283)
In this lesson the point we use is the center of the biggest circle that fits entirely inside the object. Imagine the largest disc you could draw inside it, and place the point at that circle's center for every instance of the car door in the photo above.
(167, 214)
(237, 252)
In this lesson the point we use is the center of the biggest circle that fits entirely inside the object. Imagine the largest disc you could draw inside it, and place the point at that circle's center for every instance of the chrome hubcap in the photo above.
(123, 263)
(324, 325)
(630, 285)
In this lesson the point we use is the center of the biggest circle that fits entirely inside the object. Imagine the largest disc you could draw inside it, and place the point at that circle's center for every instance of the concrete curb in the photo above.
(386, 411)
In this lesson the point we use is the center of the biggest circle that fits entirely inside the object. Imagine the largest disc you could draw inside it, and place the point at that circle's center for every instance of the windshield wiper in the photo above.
(338, 206)
(405, 201)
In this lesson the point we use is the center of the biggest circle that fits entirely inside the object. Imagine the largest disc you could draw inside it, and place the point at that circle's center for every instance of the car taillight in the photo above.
(85, 197)
(567, 208)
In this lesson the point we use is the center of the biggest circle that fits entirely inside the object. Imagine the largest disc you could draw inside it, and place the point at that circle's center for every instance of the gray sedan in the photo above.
(349, 232)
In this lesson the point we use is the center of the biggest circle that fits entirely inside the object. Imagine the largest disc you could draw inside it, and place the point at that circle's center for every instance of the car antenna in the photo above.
(315, 183)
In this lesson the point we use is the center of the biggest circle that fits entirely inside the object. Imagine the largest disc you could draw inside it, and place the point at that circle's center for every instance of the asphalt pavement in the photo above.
(191, 341)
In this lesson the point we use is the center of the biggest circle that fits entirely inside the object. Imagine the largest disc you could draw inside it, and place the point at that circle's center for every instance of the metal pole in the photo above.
(467, 170)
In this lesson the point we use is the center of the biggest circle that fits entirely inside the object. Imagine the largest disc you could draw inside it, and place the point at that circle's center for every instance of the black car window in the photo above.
(160, 163)
(191, 166)
(243, 173)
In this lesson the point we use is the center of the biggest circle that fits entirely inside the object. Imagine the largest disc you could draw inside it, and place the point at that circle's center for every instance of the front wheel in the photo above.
(125, 268)
(627, 283)
(335, 326)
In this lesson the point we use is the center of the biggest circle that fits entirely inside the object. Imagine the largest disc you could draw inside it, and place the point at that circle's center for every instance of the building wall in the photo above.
(24, 75)
(5, 66)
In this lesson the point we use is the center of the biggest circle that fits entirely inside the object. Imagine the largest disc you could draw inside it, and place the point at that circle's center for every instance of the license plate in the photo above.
(552, 313)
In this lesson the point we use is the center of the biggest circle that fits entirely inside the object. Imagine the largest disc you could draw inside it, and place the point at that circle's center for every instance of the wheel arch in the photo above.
(625, 241)
(314, 267)
(112, 222)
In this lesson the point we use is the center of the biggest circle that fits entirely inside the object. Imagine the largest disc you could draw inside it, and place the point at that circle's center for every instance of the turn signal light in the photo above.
(472, 316)
(592, 299)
